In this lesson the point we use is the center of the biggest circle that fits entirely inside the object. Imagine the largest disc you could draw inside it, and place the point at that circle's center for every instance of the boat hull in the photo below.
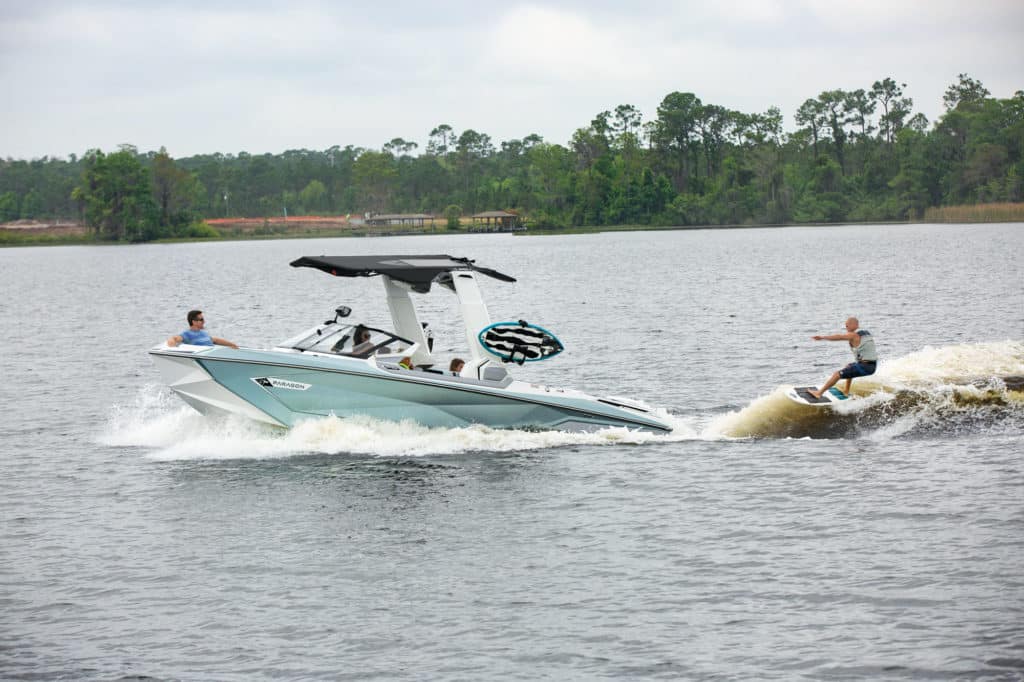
(281, 389)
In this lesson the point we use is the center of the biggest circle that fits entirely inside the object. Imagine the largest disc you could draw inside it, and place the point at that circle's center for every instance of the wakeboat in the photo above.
(344, 369)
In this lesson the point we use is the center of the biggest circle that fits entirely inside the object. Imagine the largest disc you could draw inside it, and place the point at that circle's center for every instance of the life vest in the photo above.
(865, 352)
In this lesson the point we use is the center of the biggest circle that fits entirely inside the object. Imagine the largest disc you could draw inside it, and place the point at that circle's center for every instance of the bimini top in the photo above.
(418, 271)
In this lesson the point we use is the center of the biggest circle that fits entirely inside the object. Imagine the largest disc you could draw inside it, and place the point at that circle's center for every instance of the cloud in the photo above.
(265, 75)
(545, 45)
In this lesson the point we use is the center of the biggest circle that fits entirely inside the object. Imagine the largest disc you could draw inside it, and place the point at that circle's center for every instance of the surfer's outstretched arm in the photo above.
(836, 337)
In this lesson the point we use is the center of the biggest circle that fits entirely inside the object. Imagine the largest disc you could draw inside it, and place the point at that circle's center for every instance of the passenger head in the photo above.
(456, 365)
(193, 315)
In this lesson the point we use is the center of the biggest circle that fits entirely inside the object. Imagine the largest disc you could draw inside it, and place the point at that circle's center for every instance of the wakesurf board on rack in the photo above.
(519, 342)
(802, 395)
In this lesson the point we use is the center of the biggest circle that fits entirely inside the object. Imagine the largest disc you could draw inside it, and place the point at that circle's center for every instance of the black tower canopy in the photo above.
(417, 271)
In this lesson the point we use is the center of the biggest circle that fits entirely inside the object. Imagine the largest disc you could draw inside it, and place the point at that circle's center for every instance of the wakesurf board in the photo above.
(802, 395)
(519, 342)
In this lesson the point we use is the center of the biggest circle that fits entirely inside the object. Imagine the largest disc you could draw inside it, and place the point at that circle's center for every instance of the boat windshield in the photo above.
(346, 339)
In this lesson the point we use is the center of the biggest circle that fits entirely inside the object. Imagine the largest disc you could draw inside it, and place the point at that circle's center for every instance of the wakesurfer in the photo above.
(865, 356)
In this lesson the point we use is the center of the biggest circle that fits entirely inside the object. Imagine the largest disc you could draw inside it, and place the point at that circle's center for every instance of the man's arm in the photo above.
(174, 340)
(222, 342)
(848, 336)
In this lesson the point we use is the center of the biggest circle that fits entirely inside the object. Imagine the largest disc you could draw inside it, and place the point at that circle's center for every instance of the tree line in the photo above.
(854, 155)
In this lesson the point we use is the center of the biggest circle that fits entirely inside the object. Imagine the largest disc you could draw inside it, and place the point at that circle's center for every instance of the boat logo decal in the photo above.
(274, 382)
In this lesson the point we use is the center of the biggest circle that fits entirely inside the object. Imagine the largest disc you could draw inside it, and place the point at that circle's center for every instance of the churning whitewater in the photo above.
(157, 421)
(935, 391)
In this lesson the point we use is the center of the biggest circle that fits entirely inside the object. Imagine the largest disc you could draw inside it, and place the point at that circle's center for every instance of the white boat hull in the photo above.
(282, 388)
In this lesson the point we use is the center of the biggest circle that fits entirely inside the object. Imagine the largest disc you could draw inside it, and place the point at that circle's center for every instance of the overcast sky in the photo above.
(204, 76)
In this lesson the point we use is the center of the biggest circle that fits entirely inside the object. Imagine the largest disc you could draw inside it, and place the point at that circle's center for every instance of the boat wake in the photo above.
(936, 392)
(159, 423)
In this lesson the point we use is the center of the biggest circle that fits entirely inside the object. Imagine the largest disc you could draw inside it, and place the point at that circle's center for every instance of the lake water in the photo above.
(761, 540)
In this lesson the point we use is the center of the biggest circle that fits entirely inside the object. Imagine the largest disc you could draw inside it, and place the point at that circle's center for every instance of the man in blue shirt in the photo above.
(196, 334)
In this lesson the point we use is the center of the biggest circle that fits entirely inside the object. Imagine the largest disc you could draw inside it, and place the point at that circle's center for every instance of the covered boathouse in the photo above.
(497, 221)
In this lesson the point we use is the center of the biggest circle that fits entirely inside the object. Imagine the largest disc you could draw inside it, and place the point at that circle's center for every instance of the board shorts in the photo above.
(858, 369)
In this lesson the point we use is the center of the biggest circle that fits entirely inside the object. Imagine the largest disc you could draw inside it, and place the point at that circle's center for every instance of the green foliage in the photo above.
(201, 231)
(686, 209)
(452, 214)
(546, 221)
(374, 174)
(116, 193)
(176, 193)
(32, 205)
(9, 207)
(49, 180)
(35, 238)
(313, 197)
(860, 154)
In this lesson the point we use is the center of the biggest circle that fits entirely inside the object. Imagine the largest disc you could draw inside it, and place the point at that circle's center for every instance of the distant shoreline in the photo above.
(67, 233)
